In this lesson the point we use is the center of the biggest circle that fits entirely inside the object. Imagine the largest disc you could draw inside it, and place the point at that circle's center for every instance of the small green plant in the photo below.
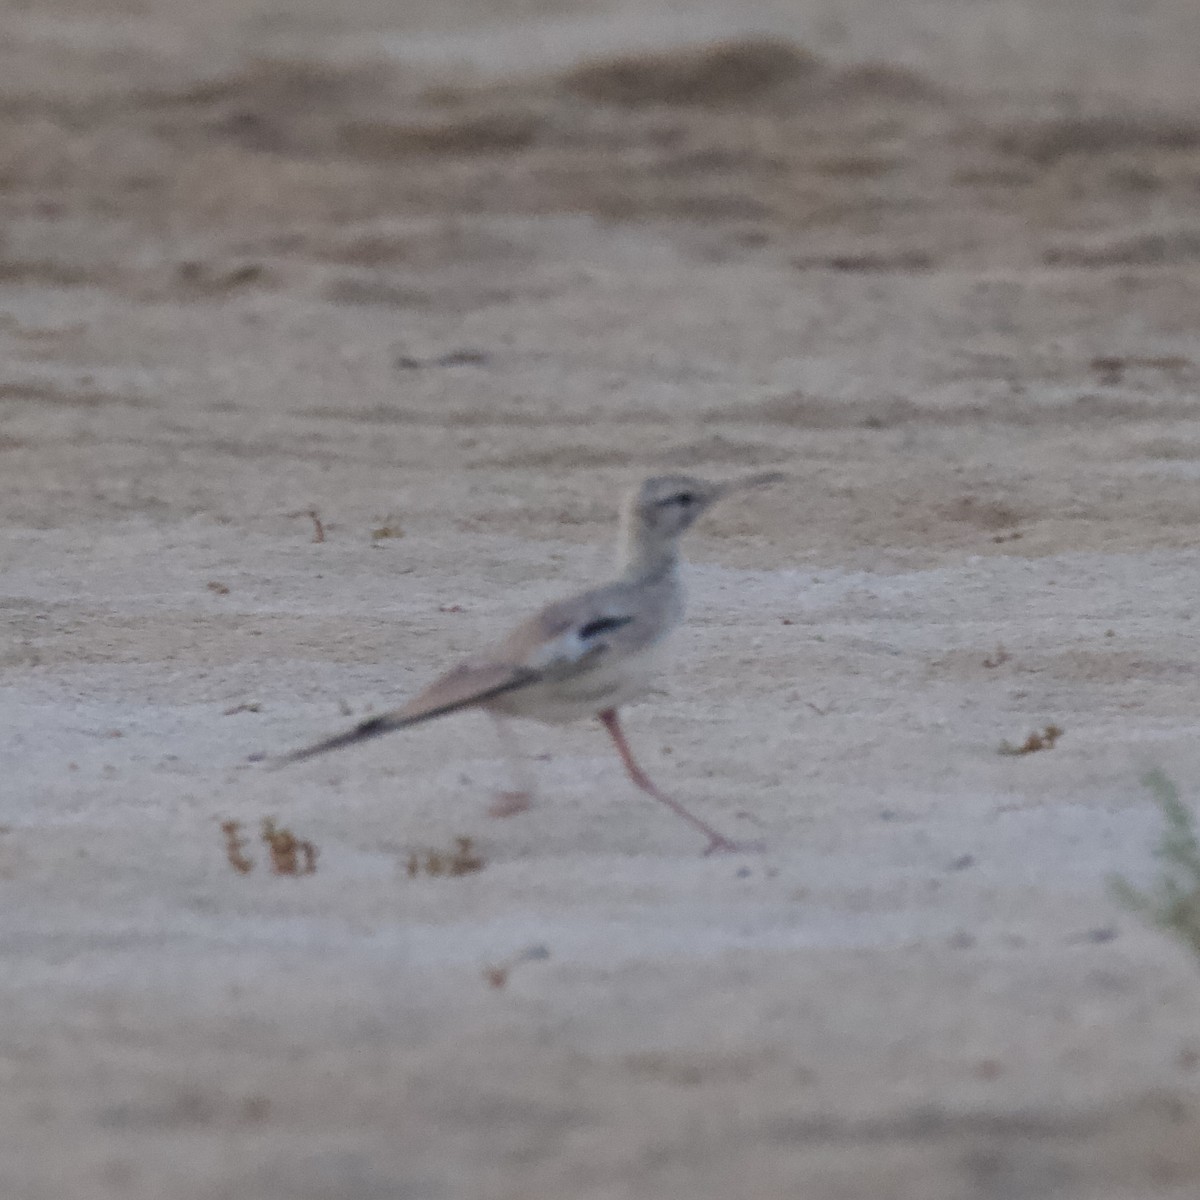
(1173, 904)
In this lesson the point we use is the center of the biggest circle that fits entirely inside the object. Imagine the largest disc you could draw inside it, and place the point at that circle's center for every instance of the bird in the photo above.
(587, 655)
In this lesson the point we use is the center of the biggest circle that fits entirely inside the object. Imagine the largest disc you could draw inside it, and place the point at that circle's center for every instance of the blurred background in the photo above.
(330, 331)
(954, 131)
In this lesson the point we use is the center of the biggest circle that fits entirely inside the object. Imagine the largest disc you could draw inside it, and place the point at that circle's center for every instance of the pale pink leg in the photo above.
(520, 798)
(717, 843)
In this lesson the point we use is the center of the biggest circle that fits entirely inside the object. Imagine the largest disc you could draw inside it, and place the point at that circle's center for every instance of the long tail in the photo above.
(363, 732)
(403, 718)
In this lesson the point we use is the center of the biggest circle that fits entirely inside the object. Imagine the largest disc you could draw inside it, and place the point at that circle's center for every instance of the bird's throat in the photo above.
(644, 555)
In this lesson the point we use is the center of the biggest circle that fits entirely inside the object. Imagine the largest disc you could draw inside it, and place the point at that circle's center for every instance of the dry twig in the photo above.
(497, 976)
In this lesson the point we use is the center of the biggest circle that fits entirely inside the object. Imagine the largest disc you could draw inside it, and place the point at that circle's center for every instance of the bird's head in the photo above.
(663, 507)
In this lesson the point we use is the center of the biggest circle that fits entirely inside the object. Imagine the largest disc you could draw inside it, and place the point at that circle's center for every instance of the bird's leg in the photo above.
(520, 798)
(717, 843)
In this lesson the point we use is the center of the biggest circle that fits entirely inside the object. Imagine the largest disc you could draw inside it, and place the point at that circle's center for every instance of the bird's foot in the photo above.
(508, 804)
(724, 845)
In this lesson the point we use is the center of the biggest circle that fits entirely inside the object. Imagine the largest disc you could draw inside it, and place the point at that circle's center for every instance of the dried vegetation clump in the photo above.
(288, 854)
(1046, 740)
(462, 860)
(235, 848)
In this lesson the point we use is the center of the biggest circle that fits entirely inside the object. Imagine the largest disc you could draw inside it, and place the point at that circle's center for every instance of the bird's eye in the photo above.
(686, 499)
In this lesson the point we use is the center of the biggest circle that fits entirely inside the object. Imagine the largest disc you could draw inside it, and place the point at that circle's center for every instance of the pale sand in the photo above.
(237, 284)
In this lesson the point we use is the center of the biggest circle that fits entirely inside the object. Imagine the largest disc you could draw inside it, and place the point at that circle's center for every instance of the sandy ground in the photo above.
(457, 275)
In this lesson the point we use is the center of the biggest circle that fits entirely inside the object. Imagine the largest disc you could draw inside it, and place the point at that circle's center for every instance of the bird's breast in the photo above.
(607, 685)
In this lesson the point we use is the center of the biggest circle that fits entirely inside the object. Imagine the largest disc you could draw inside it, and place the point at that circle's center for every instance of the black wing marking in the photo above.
(602, 625)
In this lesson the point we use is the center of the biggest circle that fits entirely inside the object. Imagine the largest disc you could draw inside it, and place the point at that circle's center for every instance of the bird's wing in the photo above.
(574, 635)
(564, 639)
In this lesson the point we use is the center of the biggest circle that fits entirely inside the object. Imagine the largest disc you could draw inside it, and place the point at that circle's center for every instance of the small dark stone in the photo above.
(463, 358)
(1106, 933)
